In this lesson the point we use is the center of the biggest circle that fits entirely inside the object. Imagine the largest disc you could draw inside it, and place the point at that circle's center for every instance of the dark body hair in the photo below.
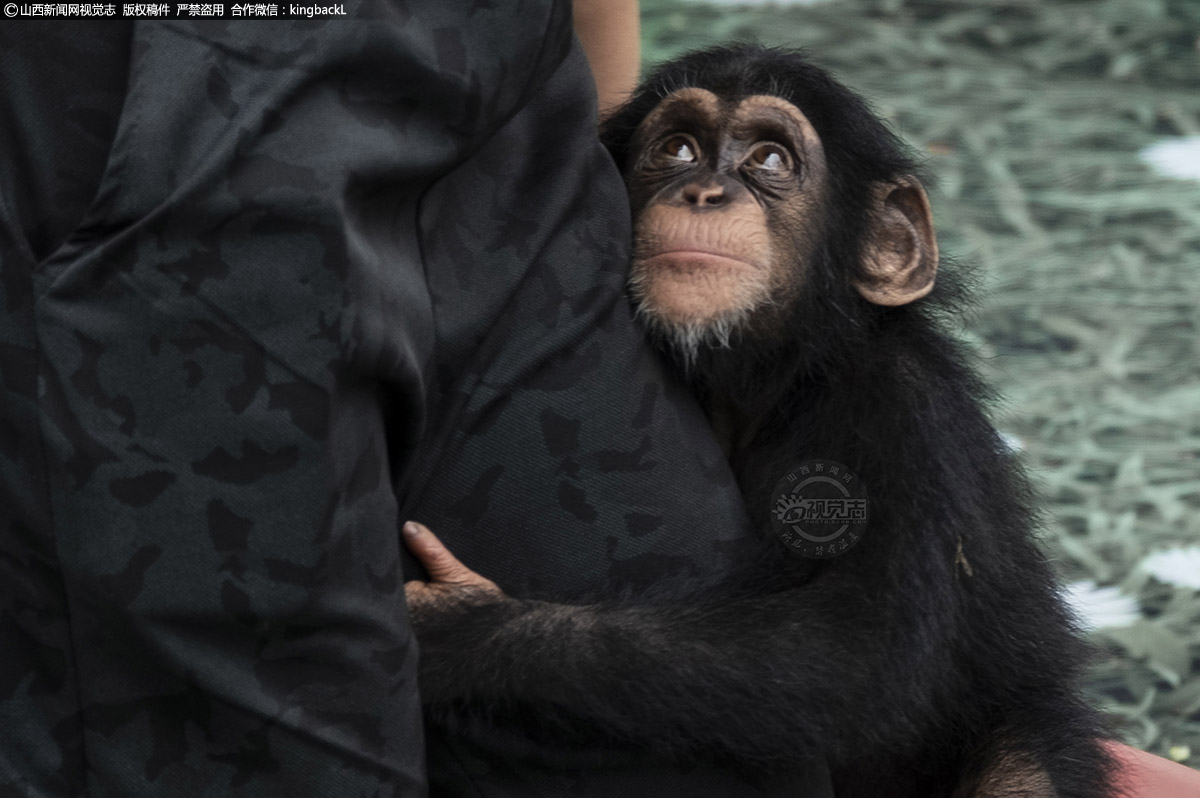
(961, 635)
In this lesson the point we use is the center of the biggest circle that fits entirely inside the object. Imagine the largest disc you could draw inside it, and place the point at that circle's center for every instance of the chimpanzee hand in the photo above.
(451, 584)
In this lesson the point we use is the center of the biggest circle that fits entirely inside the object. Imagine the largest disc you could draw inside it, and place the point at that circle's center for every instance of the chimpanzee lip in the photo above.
(702, 257)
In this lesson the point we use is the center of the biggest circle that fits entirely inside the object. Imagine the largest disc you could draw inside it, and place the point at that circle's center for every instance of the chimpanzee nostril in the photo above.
(704, 195)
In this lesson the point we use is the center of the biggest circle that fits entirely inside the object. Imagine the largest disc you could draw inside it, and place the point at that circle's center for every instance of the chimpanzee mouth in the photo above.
(687, 260)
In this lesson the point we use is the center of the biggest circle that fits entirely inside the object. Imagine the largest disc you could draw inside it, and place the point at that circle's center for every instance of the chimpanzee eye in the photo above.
(680, 148)
(769, 157)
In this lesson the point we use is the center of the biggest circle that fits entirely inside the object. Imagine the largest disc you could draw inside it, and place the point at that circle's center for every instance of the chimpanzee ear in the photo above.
(901, 251)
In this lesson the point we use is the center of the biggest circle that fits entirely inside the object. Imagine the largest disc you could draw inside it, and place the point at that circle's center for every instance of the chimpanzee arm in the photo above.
(769, 680)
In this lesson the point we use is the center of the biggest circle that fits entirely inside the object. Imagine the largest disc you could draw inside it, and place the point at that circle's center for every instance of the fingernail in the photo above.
(412, 529)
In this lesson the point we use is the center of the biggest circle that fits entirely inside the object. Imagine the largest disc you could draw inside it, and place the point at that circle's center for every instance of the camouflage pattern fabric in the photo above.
(303, 281)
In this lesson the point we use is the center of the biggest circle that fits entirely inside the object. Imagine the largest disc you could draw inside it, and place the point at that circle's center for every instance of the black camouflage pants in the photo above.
(269, 289)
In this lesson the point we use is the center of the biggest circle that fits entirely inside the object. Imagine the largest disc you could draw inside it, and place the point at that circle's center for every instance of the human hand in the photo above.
(450, 582)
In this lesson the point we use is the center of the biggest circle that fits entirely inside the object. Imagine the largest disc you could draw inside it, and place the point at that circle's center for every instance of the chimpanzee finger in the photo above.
(437, 559)
(443, 567)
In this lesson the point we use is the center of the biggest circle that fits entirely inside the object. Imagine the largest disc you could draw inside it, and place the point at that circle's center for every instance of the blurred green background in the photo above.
(1033, 115)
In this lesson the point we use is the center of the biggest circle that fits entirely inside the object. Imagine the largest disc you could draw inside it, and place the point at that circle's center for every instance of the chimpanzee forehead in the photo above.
(698, 107)
(686, 107)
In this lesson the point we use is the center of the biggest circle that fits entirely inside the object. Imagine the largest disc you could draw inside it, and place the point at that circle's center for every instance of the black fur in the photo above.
(907, 670)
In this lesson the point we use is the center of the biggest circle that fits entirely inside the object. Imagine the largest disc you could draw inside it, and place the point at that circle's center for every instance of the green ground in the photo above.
(1032, 113)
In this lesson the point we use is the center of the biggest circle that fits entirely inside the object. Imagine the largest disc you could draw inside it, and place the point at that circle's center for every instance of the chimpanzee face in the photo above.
(730, 204)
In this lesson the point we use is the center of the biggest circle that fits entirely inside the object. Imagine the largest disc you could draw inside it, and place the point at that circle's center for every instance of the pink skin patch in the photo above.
(687, 286)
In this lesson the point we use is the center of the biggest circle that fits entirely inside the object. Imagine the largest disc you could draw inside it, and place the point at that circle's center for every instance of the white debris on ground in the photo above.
(1178, 566)
(1178, 157)
(1011, 443)
(1101, 607)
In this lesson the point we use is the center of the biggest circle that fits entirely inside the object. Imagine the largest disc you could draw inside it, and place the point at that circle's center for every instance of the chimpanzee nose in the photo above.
(702, 196)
